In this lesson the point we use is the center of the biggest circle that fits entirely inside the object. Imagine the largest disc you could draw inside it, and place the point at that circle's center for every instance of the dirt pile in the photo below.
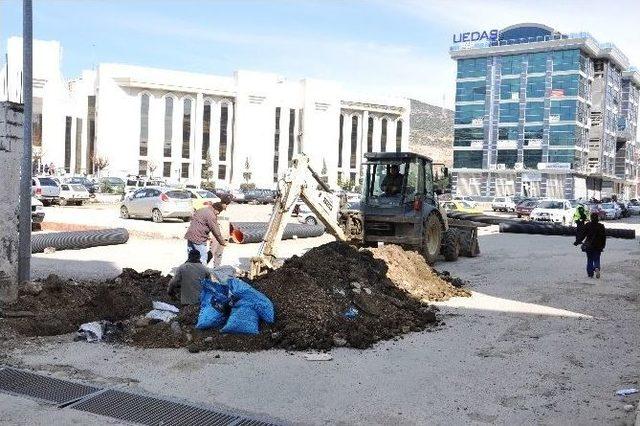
(334, 295)
(409, 271)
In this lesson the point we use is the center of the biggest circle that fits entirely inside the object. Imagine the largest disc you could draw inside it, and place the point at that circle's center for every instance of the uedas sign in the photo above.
(475, 36)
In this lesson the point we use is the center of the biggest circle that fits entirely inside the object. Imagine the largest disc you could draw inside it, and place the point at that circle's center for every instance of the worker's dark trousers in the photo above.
(216, 251)
(593, 261)
(579, 229)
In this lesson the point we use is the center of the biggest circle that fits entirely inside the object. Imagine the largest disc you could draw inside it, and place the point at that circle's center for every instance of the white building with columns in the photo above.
(173, 124)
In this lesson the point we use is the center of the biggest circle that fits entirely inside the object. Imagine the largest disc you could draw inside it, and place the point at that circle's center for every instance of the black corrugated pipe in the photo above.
(78, 239)
(546, 229)
(253, 232)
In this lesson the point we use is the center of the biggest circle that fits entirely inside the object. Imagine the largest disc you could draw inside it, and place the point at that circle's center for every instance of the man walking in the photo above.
(594, 242)
(203, 222)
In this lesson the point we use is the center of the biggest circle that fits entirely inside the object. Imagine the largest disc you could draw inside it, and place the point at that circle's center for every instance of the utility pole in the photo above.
(24, 224)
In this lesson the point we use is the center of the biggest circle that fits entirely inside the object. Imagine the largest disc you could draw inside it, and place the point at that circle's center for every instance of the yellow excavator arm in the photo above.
(299, 182)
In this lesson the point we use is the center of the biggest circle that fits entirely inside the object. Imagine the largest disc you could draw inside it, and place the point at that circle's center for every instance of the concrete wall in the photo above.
(10, 154)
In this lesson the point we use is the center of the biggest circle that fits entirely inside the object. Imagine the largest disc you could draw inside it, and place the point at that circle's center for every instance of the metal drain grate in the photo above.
(43, 388)
(154, 411)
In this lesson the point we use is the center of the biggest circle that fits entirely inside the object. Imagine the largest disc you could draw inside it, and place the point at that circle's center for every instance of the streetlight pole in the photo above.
(24, 224)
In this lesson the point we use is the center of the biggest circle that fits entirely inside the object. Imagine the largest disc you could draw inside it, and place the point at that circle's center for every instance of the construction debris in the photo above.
(334, 295)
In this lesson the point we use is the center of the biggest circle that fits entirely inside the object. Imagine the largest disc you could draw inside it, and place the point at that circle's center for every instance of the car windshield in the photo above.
(389, 184)
(78, 188)
(607, 206)
(47, 182)
(181, 195)
(115, 181)
(465, 205)
(206, 194)
(550, 204)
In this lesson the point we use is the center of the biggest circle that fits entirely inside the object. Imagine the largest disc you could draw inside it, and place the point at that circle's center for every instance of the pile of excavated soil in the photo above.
(409, 271)
(385, 291)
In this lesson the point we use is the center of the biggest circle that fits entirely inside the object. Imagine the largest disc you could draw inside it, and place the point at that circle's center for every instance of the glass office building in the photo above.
(541, 113)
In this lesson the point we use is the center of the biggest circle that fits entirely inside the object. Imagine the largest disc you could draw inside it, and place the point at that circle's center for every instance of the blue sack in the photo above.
(247, 296)
(243, 320)
(213, 298)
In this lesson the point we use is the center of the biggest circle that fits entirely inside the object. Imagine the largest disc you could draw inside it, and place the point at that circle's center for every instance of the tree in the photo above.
(100, 163)
(207, 181)
(246, 175)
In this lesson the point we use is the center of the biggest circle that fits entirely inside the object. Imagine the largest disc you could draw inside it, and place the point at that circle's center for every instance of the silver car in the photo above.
(157, 203)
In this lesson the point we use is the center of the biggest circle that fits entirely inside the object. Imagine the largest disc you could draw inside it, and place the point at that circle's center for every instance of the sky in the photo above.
(391, 47)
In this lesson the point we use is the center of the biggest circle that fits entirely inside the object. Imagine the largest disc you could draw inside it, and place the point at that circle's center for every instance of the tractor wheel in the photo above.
(450, 245)
(469, 244)
(432, 238)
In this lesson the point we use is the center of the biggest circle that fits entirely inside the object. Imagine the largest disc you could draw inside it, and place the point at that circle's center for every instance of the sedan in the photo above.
(73, 193)
(526, 207)
(202, 197)
(611, 210)
(558, 211)
(634, 207)
(597, 209)
(37, 214)
(460, 206)
(157, 203)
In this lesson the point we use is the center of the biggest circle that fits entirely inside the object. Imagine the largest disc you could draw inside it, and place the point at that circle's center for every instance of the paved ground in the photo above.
(538, 342)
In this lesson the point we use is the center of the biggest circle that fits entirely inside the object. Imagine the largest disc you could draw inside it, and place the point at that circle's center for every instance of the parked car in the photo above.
(460, 206)
(524, 208)
(112, 185)
(503, 204)
(73, 194)
(238, 196)
(37, 213)
(469, 200)
(202, 197)
(157, 203)
(45, 189)
(259, 196)
(305, 215)
(634, 207)
(611, 210)
(624, 210)
(134, 183)
(597, 208)
(553, 210)
(88, 184)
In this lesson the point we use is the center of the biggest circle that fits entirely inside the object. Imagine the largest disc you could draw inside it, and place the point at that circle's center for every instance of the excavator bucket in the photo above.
(467, 234)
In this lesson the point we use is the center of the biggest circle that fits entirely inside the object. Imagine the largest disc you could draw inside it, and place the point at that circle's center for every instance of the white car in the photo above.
(634, 207)
(553, 210)
(504, 204)
(305, 215)
(73, 193)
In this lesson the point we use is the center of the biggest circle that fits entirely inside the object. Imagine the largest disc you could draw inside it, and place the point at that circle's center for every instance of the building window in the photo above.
(534, 111)
(36, 131)
(186, 129)
(565, 135)
(508, 133)
(166, 169)
(67, 145)
(370, 134)
(142, 167)
(464, 137)
(471, 91)
(222, 172)
(564, 110)
(536, 87)
(532, 157)
(467, 159)
(563, 156)
(292, 126)
(510, 89)
(511, 64)
(383, 135)
(78, 163)
(476, 67)
(565, 60)
(509, 112)
(185, 171)
(206, 130)
(354, 142)
(168, 125)
(537, 63)
(91, 132)
(340, 140)
(469, 114)
(565, 85)
(508, 157)
(533, 133)
(144, 124)
(352, 178)
(276, 146)
(224, 118)
(399, 136)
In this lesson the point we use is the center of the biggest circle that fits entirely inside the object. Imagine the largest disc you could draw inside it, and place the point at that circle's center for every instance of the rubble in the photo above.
(333, 295)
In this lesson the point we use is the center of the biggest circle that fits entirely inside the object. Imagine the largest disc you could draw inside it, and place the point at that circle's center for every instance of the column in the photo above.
(198, 111)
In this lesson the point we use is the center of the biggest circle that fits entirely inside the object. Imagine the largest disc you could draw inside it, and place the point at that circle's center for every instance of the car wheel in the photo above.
(311, 221)
(124, 212)
(156, 216)
(63, 201)
(186, 219)
(519, 216)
